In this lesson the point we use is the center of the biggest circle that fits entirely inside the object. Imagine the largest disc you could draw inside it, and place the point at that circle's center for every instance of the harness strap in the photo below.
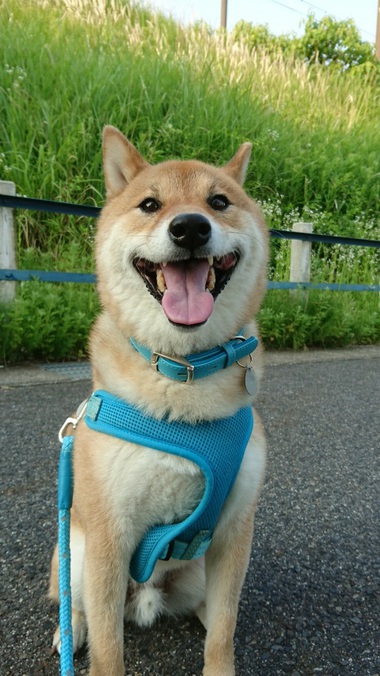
(217, 447)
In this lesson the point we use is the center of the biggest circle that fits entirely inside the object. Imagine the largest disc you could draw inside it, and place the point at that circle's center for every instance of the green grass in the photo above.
(319, 319)
(47, 322)
(67, 68)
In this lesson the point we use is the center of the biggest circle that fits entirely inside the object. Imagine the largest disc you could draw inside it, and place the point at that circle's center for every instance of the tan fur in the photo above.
(121, 489)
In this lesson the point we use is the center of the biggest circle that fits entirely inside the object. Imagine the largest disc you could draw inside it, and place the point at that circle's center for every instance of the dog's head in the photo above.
(181, 249)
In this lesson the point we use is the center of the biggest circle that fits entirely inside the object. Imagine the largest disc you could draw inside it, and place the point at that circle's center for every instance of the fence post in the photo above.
(7, 243)
(300, 255)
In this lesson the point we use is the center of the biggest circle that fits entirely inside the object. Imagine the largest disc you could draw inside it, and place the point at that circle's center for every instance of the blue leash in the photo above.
(65, 501)
(65, 494)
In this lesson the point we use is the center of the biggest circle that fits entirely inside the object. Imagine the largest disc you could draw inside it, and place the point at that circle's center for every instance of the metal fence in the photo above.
(301, 236)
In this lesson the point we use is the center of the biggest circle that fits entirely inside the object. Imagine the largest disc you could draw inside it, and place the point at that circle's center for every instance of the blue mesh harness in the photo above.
(217, 447)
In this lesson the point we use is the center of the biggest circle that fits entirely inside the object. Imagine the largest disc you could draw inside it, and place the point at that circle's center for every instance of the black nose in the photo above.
(190, 231)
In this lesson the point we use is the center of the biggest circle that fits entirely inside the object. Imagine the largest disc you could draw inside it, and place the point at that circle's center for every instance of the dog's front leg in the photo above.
(105, 586)
(226, 565)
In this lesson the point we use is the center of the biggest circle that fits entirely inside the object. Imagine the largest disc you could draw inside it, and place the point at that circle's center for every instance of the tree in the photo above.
(328, 42)
(332, 42)
(260, 37)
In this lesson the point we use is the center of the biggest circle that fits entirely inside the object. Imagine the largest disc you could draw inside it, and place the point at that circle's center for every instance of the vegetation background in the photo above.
(310, 106)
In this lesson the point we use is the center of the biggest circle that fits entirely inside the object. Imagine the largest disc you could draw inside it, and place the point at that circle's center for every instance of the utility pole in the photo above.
(378, 31)
(223, 13)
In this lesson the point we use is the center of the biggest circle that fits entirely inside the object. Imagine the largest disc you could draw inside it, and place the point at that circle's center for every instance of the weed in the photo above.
(67, 67)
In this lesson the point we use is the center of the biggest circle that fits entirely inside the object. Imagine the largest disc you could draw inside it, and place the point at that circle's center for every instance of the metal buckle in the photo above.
(177, 360)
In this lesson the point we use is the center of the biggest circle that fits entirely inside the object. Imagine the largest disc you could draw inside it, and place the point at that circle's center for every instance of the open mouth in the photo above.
(187, 289)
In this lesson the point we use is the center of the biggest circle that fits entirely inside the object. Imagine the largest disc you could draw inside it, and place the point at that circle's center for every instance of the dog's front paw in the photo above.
(218, 671)
(79, 633)
(220, 663)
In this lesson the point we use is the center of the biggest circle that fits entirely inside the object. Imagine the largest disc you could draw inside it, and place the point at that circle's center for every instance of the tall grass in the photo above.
(67, 67)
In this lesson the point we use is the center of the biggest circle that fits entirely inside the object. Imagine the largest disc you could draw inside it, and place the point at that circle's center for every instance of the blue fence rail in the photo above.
(33, 204)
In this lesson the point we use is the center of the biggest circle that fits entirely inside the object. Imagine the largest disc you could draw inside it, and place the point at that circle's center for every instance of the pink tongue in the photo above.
(186, 301)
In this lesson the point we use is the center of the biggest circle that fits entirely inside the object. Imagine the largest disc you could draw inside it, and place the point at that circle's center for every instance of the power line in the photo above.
(325, 11)
(291, 8)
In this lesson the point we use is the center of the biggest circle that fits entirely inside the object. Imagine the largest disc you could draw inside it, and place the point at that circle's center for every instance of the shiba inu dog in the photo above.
(181, 253)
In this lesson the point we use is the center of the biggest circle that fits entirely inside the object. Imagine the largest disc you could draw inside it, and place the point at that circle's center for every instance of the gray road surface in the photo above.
(310, 604)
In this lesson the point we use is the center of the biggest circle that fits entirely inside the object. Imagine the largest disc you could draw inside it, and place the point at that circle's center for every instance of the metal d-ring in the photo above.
(243, 366)
(246, 366)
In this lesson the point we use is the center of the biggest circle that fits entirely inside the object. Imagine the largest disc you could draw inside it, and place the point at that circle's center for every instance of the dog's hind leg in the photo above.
(78, 618)
(145, 603)
(186, 589)
(174, 592)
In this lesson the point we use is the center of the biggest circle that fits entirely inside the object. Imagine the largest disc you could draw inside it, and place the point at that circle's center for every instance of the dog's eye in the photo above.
(219, 202)
(150, 205)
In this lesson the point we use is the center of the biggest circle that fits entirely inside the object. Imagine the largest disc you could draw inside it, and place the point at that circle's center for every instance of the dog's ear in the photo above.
(238, 165)
(121, 161)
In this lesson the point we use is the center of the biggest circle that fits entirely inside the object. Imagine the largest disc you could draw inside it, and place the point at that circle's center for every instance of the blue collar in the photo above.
(201, 364)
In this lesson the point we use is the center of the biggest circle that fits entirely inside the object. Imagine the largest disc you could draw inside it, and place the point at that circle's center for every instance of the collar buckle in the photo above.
(181, 361)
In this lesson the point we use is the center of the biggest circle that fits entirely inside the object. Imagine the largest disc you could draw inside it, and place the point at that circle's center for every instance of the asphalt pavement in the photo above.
(310, 604)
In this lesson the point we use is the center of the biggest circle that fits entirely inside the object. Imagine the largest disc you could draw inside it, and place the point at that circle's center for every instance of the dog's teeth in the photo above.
(210, 260)
(161, 281)
(164, 264)
(211, 279)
